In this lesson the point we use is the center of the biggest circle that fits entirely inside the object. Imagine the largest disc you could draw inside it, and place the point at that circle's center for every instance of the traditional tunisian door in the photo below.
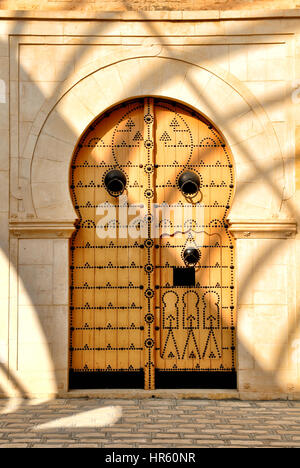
(152, 262)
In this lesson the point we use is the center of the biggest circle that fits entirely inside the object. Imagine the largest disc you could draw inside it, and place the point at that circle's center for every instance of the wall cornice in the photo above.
(263, 229)
(41, 229)
(200, 15)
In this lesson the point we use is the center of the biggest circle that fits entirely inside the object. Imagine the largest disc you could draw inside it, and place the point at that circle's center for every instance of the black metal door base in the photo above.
(195, 379)
(163, 380)
(97, 380)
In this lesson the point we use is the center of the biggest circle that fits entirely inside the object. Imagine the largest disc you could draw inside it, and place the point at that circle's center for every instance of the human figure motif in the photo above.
(212, 323)
(191, 322)
(170, 322)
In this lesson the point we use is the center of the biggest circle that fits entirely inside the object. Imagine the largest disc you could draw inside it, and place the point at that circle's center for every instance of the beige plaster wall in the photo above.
(57, 76)
(42, 328)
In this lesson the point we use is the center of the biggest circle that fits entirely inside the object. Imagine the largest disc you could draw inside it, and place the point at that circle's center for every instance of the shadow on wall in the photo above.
(147, 5)
(249, 275)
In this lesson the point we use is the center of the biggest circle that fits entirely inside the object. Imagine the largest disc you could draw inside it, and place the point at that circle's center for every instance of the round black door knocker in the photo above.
(191, 256)
(189, 183)
(115, 182)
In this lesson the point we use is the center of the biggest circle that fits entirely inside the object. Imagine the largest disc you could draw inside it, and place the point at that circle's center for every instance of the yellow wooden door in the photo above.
(141, 316)
(196, 313)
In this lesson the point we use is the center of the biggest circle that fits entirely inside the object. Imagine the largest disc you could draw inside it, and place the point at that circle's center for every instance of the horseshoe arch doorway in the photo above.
(152, 264)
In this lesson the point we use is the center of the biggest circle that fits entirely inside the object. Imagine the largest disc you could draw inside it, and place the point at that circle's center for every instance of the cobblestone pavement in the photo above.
(149, 423)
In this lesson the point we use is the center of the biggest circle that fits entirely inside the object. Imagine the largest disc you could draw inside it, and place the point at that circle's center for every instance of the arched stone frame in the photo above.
(216, 94)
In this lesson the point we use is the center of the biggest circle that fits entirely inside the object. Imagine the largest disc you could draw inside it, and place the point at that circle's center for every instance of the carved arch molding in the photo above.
(224, 100)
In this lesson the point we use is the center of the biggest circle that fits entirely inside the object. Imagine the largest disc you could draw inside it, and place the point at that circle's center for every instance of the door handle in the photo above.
(115, 182)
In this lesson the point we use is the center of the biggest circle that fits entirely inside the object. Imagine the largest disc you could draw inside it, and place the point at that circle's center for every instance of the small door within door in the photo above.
(152, 288)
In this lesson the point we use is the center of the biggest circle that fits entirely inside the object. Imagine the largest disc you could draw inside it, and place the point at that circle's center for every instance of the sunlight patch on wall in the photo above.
(2, 92)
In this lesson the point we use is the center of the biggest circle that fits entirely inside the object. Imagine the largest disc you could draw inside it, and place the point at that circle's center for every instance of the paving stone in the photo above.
(89, 435)
(134, 436)
(62, 446)
(285, 444)
(207, 442)
(182, 430)
(117, 445)
(248, 443)
(169, 441)
(12, 445)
